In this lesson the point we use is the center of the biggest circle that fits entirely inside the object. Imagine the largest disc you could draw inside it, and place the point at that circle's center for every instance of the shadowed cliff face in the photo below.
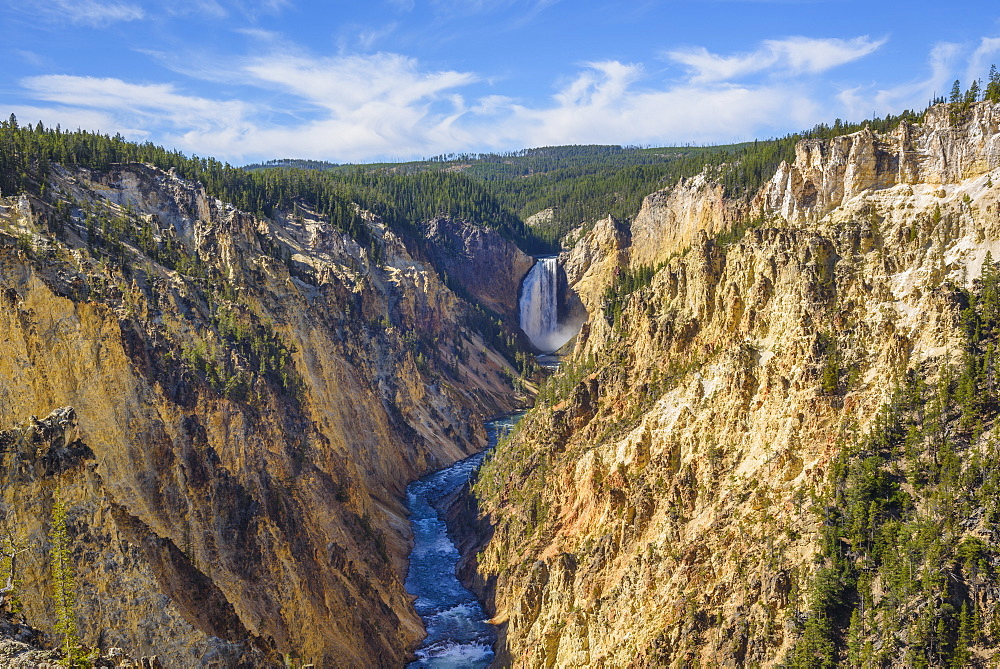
(489, 268)
(654, 509)
(247, 421)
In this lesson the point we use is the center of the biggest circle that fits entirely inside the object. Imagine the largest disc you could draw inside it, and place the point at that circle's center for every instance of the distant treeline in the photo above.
(401, 200)
(583, 184)
(579, 184)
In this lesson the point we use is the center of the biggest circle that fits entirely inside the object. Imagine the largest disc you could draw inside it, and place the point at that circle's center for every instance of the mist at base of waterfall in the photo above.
(539, 308)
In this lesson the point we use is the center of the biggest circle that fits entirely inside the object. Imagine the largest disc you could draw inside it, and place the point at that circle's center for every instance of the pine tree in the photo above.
(63, 583)
(966, 636)
(972, 95)
(855, 640)
(993, 87)
(956, 92)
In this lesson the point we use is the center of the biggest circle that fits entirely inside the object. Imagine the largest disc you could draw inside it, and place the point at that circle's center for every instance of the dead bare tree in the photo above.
(10, 548)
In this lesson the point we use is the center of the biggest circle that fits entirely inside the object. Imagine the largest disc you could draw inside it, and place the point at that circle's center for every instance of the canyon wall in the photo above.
(657, 507)
(239, 404)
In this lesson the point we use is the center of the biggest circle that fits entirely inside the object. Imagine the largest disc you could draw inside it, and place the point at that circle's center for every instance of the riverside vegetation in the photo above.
(771, 445)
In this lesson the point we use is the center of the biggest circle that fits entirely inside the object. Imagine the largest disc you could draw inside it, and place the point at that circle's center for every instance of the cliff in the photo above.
(480, 262)
(663, 505)
(673, 219)
(246, 399)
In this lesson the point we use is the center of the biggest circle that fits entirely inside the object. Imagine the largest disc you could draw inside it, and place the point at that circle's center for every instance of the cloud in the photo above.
(980, 60)
(794, 56)
(72, 118)
(347, 108)
(813, 56)
(205, 8)
(862, 101)
(603, 105)
(368, 38)
(530, 8)
(33, 58)
(275, 6)
(100, 13)
(138, 105)
(93, 12)
(354, 85)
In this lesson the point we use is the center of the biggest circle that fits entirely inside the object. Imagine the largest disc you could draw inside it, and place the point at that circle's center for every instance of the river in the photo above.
(457, 632)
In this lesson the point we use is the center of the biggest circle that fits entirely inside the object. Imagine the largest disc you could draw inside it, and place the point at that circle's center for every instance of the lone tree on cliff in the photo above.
(64, 584)
(10, 549)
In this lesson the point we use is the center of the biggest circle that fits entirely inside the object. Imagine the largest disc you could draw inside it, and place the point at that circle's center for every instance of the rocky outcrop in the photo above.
(594, 260)
(941, 151)
(250, 398)
(479, 261)
(21, 647)
(671, 220)
(653, 509)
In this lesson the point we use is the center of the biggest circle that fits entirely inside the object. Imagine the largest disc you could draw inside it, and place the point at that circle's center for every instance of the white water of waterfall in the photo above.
(539, 307)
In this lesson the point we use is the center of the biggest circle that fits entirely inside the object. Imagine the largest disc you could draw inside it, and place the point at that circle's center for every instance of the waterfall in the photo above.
(539, 307)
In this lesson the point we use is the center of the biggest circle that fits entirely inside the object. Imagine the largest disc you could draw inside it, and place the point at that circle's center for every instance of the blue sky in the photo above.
(247, 80)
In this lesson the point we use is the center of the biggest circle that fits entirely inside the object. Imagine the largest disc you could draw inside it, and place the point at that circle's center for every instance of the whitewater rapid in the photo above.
(458, 634)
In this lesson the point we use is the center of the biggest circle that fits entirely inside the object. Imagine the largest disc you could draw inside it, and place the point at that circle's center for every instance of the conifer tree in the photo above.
(63, 583)
(993, 86)
(972, 95)
(956, 92)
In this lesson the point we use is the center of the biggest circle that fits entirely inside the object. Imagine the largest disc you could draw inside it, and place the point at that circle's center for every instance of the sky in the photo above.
(373, 80)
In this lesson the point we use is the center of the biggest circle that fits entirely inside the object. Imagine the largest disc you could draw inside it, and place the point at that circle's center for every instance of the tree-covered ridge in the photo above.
(910, 522)
(583, 184)
(27, 152)
(500, 166)
(580, 184)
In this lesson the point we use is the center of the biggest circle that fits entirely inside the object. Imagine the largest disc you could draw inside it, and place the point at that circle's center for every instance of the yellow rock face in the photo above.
(656, 512)
(211, 525)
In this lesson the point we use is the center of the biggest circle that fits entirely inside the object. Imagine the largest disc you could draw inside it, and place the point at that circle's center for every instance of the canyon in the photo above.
(231, 405)
(233, 443)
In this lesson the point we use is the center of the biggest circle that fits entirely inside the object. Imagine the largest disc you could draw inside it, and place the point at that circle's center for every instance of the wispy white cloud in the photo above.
(603, 105)
(275, 6)
(862, 101)
(73, 118)
(982, 58)
(92, 12)
(33, 58)
(258, 8)
(99, 13)
(529, 8)
(369, 37)
(204, 8)
(354, 84)
(813, 56)
(707, 67)
(794, 55)
(156, 105)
